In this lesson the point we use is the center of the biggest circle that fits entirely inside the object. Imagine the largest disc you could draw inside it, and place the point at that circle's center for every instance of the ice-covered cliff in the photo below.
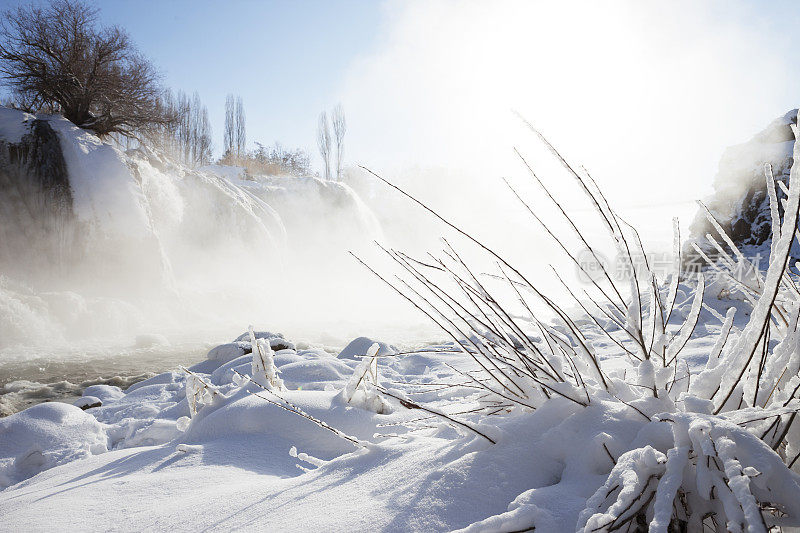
(91, 235)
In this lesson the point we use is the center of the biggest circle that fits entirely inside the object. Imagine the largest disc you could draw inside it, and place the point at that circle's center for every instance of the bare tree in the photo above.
(229, 126)
(189, 137)
(324, 143)
(235, 149)
(202, 132)
(241, 134)
(339, 129)
(184, 127)
(57, 56)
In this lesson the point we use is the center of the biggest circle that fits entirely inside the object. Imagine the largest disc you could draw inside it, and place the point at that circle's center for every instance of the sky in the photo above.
(285, 59)
(642, 93)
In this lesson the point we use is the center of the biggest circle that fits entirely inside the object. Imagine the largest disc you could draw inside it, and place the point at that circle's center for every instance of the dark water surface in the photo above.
(29, 377)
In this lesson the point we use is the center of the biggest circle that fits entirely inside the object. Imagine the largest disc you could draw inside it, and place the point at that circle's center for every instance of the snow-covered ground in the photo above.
(136, 463)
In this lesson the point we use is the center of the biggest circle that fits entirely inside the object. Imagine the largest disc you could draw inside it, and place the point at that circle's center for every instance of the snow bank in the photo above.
(44, 436)
(14, 124)
(206, 435)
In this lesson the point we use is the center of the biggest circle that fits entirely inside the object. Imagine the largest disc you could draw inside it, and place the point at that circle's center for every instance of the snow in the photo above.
(358, 347)
(44, 436)
(502, 429)
(14, 124)
(169, 466)
(105, 193)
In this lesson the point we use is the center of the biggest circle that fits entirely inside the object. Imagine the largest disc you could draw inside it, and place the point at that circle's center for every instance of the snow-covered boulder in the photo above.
(359, 346)
(104, 393)
(87, 402)
(276, 340)
(44, 436)
(229, 351)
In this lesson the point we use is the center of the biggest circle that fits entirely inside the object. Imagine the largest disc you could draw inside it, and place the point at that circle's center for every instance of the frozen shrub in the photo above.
(361, 388)
(712, 449)
(264, 371)
(199, 392)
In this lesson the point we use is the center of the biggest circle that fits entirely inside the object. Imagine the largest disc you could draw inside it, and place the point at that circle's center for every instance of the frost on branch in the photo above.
(263, 369)
(199, 393)
(717, 475)
(361, 388)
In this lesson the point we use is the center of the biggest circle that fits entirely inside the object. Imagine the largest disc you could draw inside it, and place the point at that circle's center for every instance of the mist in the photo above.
(645, 97)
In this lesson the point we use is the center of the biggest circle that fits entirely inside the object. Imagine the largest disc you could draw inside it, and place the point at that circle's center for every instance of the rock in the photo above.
(281, 344)
(741, 230)
(740, 202)
(276, 340)
(33, 172)
(87, 402)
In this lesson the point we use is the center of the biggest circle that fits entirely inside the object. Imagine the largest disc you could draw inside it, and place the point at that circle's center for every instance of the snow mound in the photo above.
(104, 393)
(358, 348)
(44, 436)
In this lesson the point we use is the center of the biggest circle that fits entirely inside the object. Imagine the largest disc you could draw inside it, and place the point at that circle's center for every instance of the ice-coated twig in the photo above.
(288, 406)
(408, 404)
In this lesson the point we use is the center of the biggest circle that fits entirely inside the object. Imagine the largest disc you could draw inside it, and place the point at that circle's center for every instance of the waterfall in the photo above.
(125, 242)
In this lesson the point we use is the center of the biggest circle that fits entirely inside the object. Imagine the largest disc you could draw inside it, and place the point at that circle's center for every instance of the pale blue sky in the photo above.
(286, 59)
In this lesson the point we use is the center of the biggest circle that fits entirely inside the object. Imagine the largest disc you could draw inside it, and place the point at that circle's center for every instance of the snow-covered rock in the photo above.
(276, 340)
(44, 436)
(87, 402)
(740, 202)
(228, 352)
(104, 393)
(358, 347)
